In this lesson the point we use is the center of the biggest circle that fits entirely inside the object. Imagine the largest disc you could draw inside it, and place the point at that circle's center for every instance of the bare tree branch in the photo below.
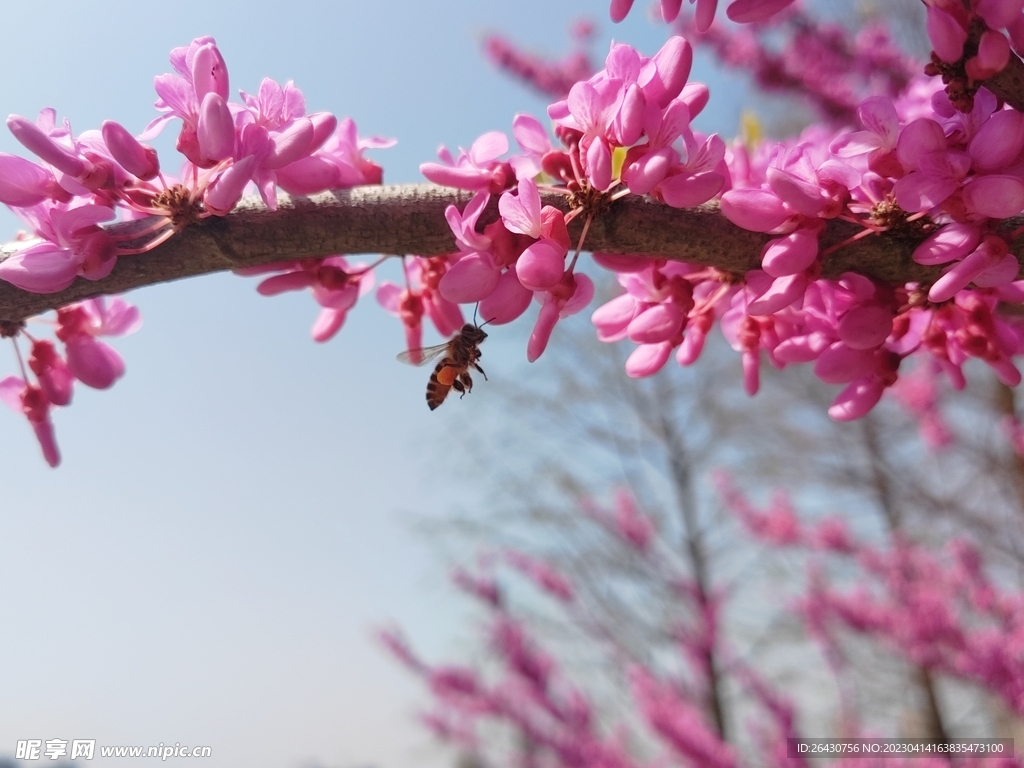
(409, 219)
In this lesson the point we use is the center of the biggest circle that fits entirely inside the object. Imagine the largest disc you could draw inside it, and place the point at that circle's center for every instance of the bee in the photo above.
(461, 353)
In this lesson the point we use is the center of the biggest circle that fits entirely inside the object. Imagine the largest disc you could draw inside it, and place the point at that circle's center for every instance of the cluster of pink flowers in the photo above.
(334, 284)
(535, 697)
(82, 181)
(50, 377)
(930, 165)
(972, 41)
(740, 11)
(79, 183)
(420, 296)
(938, 610)
(552, 79)
(638, 108)
(821, 63)
(919, 166)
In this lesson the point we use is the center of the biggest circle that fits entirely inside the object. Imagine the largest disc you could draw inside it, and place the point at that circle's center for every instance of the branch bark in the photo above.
(409, 219)
(1008, 85)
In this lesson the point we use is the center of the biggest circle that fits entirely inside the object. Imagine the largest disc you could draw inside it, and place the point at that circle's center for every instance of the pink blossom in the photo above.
(335, 286)
(23, 183)
(93, 362)
(226, 190)
(337, 164)
(918, 393)
(572, 294)
(476, 170)
(422, 296)
(56, 147)
(946, 33)
(544, 575)
(407, 305)
(483, 587)
(541, 264)
(533, 139)
(52, 372)
(33, 403)
(777, 524)
(509, 299)
(878, 141)
(678, 722)
(748, 11)
(74, 245)
(832, 534)
(935, 171)
(135, 157)
(759, 210)
(200, 71)
(631, 524)
(550, 77)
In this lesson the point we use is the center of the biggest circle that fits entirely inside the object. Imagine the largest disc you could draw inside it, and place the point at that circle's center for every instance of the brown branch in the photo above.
(1008, 85)
(403, 219)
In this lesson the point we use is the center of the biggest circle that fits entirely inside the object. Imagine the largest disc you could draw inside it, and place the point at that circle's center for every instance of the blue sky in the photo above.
(231, 520)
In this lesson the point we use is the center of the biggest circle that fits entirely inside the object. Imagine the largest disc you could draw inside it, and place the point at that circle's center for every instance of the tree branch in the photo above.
(1008, 85)
(409, 219)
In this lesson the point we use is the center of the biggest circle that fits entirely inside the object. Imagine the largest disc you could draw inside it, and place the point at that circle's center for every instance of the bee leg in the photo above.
(458, 386)
(465, 383)
(481, 371)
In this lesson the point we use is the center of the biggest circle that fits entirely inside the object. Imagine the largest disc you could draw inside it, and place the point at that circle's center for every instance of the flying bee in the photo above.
(460, 353)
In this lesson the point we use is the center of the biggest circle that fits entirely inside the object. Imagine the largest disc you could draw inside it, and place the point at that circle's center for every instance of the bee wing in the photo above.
(423, 355)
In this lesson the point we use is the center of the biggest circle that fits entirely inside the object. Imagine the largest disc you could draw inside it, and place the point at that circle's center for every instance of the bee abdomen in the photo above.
(437, 391)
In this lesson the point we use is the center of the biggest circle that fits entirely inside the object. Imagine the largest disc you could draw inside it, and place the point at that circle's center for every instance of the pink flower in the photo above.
(591, 108)
(477, 170)
(935, 170)
(533, 139)
(23, 183)
(509, 299)
(92, 362)
(200, 71)
(226, 190)
(878, 141)
(74, 245)
(946, 33)
(473, 274)
(543, 575)
(625, 521)
(335, 285)
(407, 305)
(572, 294)
(337, 164)
(776, 525)
(990, 264)
(34, 405)
(276, 130)
(52, 371)
(79, 170)
(135, 157)
(424, 278)
(678, 722)
(483, 587)
(832, 534)
(540, 266)
(759, 210)
(749, 11)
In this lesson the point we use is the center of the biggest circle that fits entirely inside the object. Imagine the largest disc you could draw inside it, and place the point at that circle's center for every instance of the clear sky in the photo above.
(231, 520)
